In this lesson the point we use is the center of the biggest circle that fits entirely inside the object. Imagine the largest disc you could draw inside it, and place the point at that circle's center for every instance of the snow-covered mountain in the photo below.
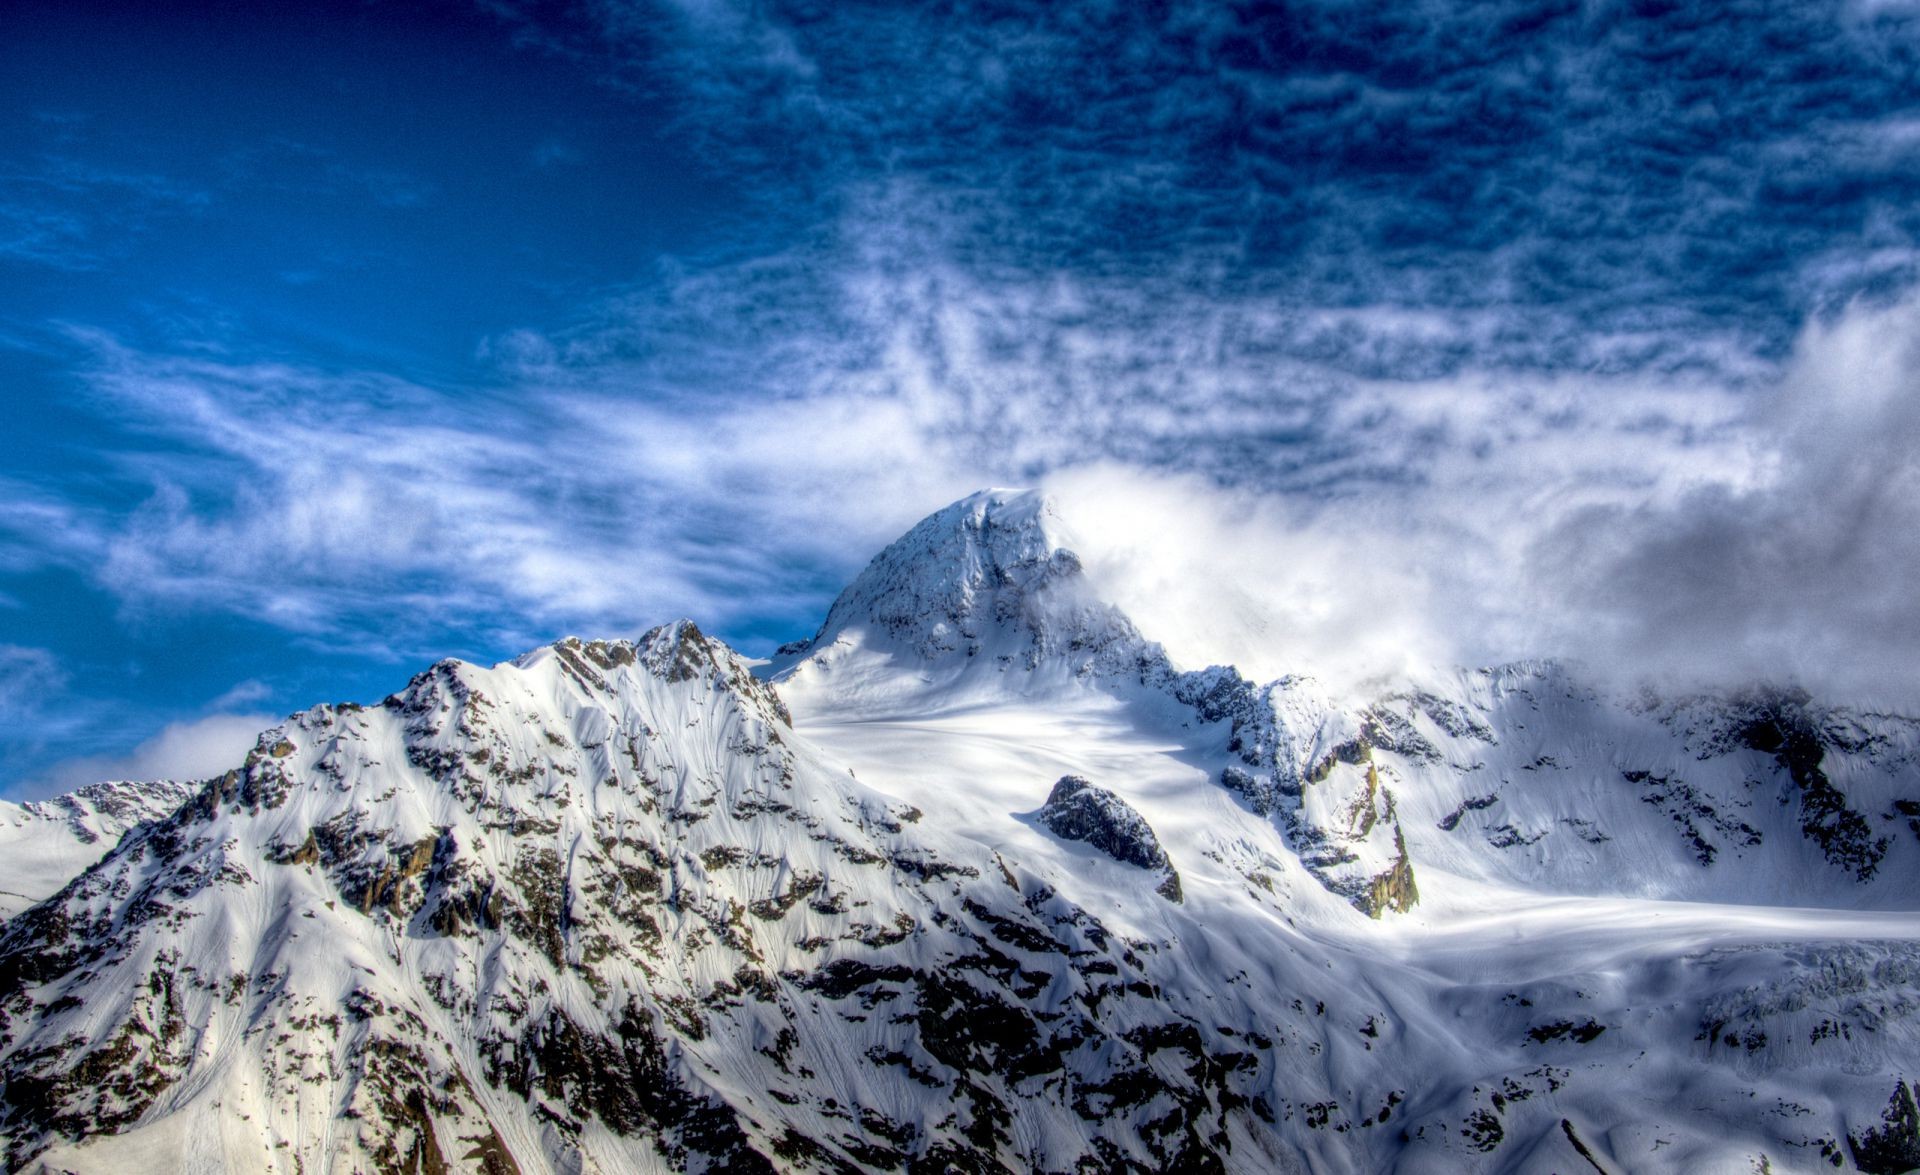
(1519, 775)
(978, 879)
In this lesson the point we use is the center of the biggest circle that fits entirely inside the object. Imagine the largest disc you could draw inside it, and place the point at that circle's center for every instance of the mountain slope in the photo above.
(1523, 777)
(597, 907)
(1519, 775)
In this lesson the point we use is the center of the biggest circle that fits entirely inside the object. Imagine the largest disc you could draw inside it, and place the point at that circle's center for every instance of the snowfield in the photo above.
(645, 906)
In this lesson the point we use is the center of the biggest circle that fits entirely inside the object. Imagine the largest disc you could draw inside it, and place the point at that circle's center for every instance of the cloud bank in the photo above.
(1702, 540)
(1806, 571)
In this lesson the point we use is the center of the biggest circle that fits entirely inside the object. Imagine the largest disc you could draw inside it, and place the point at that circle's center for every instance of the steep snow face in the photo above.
(988, 562)
(46, 843)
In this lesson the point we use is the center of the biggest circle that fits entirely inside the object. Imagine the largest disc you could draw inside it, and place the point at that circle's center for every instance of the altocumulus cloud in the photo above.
(1608, 186)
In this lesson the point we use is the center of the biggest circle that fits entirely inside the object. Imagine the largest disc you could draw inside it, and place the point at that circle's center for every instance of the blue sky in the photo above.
(340, 337)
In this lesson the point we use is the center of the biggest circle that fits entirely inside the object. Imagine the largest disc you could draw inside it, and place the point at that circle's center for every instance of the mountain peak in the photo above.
(991, 574)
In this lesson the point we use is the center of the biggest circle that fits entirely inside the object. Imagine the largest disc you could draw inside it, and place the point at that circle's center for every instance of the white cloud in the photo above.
(377, 515)
(1271, 585)
(1805, 570)
(188, 750)
(30, 679)
(1682, 536)
(241, 694)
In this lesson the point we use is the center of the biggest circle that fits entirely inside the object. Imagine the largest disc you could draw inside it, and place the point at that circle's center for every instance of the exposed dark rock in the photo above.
(1217, 694)
(1583, 1033)
(1689, 810)
(1077, 810)
(1894, 1146)
(1451, 820)
(1258, 790)
(1781, 726)
(626, 1081)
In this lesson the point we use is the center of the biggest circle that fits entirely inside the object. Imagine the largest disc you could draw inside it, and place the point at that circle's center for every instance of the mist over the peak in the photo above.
(1701, 540)
(1800, 571)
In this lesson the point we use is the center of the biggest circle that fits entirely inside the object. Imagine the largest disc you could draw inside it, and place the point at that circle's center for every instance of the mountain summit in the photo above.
(992, 579)
(976, 880)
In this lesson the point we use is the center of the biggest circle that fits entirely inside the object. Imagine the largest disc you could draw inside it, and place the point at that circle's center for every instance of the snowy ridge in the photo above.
(45, 843)
(1523, 777)
(904, 906)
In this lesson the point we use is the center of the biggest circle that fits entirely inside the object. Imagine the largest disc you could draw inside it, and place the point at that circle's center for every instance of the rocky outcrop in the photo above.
(1394, 888)
(1892, 1147)
(1077, 810)
(1311, 766)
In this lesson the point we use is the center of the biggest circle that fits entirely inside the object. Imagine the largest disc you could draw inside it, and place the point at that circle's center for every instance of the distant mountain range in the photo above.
(978, 879)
